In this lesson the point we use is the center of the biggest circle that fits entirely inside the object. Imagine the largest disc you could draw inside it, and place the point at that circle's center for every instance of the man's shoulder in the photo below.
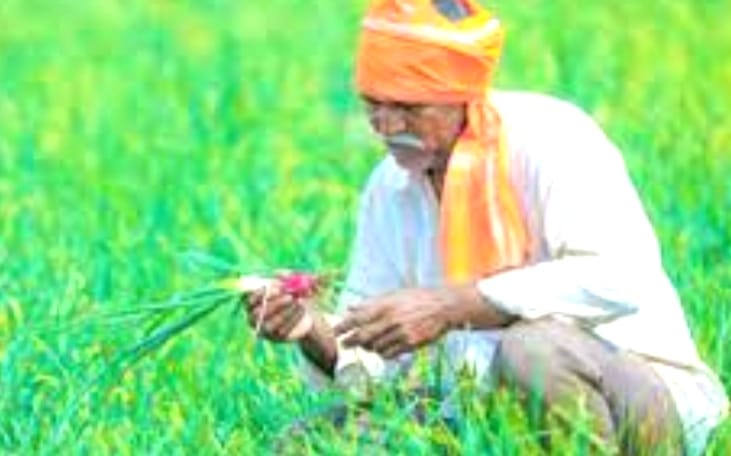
(529, 107)
(387, 176)
(551, 133)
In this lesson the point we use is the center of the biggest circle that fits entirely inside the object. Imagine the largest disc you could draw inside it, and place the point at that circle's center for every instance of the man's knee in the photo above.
(525, 353)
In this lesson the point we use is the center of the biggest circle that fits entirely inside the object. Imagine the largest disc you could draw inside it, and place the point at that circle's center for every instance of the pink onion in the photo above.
(299, 284)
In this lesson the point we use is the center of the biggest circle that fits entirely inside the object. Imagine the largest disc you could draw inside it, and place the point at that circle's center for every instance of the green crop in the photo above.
(150, 147)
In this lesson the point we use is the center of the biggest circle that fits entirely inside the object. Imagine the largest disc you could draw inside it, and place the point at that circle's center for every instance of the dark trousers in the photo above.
(558, 364)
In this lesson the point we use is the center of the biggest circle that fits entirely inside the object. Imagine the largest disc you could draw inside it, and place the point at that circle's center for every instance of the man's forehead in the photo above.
(375, 101)
(372, 103)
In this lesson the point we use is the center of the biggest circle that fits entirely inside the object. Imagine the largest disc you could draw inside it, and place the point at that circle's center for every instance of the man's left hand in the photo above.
(399, 322)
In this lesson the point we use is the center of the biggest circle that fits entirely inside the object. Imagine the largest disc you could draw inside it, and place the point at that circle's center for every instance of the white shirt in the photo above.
(596, 259)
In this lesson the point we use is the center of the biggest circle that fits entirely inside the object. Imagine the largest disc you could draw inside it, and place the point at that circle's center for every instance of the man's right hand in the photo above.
(277, 316)
(281, 317)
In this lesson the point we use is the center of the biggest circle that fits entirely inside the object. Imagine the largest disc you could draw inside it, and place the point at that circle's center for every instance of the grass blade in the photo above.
(129, 357)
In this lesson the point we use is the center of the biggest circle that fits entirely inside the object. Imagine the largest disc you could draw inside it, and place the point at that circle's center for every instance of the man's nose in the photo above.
(388, 121)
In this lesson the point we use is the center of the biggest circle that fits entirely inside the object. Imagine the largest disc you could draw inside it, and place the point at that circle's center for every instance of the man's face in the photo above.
(419, 136)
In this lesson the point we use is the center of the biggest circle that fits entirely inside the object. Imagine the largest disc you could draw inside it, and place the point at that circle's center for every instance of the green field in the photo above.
(140, 138)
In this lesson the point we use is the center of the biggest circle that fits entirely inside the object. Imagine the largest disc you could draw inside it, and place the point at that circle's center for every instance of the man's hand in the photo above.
(405, 320)
(399, 322)
(280, 316)
(277, 316)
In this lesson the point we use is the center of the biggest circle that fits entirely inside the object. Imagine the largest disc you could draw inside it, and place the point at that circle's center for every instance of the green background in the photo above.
(136, 133)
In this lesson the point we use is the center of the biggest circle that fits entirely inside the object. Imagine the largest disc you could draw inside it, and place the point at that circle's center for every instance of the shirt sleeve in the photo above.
(602, 255)
(371, 271)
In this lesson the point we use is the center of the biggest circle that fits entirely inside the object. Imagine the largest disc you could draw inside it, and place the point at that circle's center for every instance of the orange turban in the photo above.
(409, 52)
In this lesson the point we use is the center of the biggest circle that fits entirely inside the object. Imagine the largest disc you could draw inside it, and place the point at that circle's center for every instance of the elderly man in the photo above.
(504, 227)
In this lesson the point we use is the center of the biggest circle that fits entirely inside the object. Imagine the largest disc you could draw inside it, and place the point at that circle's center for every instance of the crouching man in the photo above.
(503, 225)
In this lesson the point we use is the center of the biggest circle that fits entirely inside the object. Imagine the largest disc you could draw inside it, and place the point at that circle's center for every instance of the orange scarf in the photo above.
(411, 53)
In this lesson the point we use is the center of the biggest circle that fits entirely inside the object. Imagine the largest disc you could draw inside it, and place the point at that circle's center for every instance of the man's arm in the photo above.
(468, 308)
(597, 256)
(319, 345)
(405, 320)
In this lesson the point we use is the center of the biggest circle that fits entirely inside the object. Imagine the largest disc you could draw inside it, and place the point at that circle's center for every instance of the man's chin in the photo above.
(412, 166)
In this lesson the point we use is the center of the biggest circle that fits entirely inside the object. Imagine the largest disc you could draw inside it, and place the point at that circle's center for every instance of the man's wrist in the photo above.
(457, 300)
(465, 307)
(319, 345)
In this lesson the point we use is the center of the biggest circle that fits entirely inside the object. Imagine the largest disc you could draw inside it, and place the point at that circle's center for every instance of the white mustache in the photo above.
(404, 141)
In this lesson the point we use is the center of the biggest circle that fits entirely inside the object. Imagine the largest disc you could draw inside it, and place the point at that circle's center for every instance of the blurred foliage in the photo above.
(134, 132)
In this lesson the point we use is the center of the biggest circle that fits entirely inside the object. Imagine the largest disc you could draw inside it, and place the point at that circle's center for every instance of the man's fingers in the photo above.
(352, 339)
(293, 324)
(388, 342)
(273, 305)
(393, 345)
(280, 318)
(367, 334)
(394, 351)
(256, 297)
(268, 308)
(282, 323)
(359, 316)
(348, 323)
(290, 321)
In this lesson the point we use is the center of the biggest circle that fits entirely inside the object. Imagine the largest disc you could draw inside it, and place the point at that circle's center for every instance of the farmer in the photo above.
(501, 230)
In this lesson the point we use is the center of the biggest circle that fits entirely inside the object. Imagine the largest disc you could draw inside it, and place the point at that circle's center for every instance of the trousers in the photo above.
(556, 364)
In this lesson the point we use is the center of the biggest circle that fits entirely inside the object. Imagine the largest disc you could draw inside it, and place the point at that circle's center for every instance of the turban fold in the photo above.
(410, 52)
